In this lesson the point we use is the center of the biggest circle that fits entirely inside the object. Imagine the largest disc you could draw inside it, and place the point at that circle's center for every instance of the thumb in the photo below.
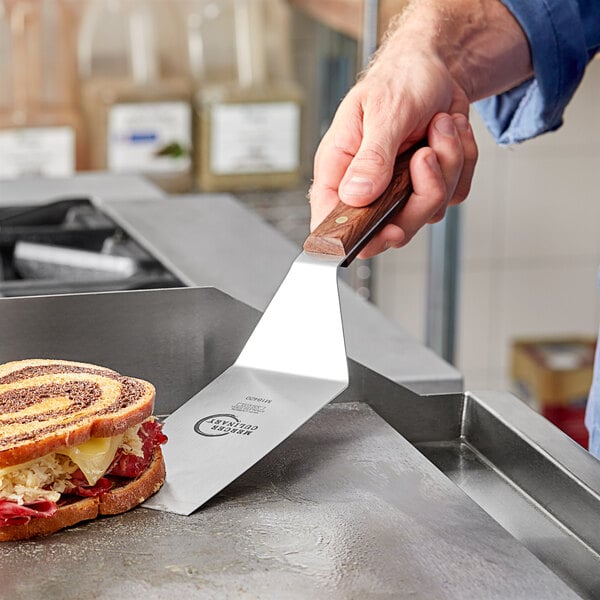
(369, 172)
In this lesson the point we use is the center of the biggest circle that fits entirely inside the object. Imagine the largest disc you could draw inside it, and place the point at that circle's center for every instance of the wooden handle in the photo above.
(347, 229)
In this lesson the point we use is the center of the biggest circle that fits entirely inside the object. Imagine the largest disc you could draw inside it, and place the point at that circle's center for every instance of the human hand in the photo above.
(441, 175)
(378, 119)
(418, 87)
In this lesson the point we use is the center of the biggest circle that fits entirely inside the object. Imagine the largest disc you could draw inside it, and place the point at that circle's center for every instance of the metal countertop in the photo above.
(38, 190)
(440, 496)
(345, 508)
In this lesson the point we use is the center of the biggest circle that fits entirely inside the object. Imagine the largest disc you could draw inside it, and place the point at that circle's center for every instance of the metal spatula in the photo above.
(293, 364)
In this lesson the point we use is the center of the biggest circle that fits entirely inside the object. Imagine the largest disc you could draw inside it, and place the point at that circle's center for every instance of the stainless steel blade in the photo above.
(292, 365)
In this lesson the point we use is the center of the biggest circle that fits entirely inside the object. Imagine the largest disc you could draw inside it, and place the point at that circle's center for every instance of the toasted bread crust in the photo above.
(48, 404)
(118, 500)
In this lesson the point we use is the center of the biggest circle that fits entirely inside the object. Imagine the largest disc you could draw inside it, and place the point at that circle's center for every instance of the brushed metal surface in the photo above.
(525, 473)
(523, 515)
(345, 508)
(180, 339)
(516, 471)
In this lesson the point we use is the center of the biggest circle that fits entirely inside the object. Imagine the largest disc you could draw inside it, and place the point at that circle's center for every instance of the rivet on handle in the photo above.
(347, 229)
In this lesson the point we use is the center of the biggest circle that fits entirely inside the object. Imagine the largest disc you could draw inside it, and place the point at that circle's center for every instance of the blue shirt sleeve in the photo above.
(564, 35)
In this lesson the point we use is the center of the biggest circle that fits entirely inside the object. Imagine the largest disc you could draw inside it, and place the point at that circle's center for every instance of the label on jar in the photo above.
(259, 137)
(47, 151)
(154, 137)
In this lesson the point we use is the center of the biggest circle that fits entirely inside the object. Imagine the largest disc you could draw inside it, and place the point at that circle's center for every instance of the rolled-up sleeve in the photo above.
(563, 35)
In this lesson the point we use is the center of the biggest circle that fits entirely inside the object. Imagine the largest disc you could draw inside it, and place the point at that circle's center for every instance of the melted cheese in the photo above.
(94, 456)
(49, 476)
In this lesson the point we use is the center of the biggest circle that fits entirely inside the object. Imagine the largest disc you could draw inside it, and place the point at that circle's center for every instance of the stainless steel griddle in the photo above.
(384, 494)
(184, 234)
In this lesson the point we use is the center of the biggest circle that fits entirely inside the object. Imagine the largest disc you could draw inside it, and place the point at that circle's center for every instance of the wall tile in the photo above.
(553, 206)
(474, 320)
(482, 212)
(478, 380)
(400, 295)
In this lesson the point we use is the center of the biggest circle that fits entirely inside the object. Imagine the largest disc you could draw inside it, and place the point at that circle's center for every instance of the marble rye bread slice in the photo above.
(48, 404)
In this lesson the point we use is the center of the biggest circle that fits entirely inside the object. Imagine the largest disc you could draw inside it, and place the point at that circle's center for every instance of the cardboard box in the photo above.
(554, 376)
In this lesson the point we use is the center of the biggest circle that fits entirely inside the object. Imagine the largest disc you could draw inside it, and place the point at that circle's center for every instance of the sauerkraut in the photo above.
(48, 477)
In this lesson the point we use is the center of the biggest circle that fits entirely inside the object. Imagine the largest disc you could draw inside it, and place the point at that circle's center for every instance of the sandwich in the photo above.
(76, 441)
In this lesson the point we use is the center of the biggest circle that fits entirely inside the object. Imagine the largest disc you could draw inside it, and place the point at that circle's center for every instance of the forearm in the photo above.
(479, 41)
(412, 90)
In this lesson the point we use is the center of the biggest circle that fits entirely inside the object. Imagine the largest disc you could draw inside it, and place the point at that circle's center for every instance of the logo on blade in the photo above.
(221, 424)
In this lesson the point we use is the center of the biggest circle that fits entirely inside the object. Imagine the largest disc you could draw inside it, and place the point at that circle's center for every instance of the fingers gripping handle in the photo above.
(347, 229)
